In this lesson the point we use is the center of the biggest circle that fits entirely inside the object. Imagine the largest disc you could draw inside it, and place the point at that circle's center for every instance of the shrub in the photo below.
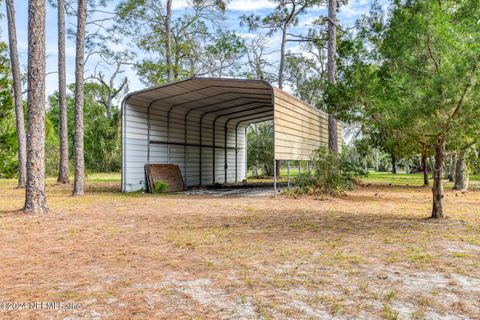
(330, 174)
(160, 187)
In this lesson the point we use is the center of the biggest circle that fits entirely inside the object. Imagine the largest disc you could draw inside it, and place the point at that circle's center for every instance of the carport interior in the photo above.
(197, 124)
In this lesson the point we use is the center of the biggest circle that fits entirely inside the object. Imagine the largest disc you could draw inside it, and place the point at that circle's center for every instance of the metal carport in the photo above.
(199, 124)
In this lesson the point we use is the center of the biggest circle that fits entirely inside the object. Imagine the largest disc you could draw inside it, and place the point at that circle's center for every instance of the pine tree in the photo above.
(78, 185)
(63, 170)
(17, 92)
(35, 199)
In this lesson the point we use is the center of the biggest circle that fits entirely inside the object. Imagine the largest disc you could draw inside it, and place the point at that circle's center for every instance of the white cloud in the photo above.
(235, 5)
(250, 5)
(245, 35)
(355, 8)
(179, 4)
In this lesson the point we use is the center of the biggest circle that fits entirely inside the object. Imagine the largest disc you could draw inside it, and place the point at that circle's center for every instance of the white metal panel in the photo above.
(134, 147)
(299, 128)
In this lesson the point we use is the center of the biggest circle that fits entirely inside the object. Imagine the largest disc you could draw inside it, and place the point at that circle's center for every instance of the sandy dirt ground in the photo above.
(369, 255)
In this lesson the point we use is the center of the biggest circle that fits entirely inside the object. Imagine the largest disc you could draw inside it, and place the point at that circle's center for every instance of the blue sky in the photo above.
(347, 16)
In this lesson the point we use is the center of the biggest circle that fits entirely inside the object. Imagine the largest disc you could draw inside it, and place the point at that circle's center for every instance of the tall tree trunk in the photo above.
(17, 93)
(282, 57)
(437, 190)
(425, 170)
(394, 164)
(176, 57)
(35, 200)
(277, 168)
(168, 45)
(62, 97)
(283, 44)
(460, 171)
(332, 70)
(451, 175)
(79, 69)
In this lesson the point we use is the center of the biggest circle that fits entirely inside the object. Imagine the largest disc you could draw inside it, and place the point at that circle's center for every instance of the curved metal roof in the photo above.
(232, 100)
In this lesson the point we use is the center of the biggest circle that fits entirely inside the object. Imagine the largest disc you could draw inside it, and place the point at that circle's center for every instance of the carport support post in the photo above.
(226, 154)
(274, 177)
(236, 153)
(148, 132)
(245, 156)
(288, 174)
(214, 151)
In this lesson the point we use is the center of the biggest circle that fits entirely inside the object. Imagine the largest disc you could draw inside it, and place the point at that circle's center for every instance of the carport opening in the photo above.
(259, 166)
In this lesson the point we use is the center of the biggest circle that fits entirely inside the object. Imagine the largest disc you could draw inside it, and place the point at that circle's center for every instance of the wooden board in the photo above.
(169, 174)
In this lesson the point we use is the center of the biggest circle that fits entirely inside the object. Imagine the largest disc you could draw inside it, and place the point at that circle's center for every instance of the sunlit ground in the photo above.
(371, 254)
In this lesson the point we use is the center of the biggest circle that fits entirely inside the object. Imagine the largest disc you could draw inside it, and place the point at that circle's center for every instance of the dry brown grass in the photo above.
(370, 255)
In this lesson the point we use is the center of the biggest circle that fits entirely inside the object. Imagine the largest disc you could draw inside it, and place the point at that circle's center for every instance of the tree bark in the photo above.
(460, 172)
(332, 70)
(282, 57)
(437, 190)
(35, 199)
(281, 70)
(17, 93)
(277, 168)
(394, 164)
(79, 96)
(425, 170)
(63, 170)
(168, 45)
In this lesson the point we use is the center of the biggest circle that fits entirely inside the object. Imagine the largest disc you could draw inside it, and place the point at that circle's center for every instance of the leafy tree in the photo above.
(306, 73)
(223, 56)
(17, 93)
(8, 141)
(258, 65)
(150, 24)
(284, 16)
(416, 75)
(260, 148)
(108, 91)
(101, 131)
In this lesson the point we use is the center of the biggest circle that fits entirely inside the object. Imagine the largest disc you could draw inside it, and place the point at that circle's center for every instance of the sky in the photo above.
(235, 8)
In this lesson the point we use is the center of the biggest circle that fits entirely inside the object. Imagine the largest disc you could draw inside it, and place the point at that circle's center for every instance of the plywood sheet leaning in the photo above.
(169, 174)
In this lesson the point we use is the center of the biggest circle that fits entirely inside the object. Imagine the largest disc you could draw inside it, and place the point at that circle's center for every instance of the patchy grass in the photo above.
(410, 179)
(369, 255)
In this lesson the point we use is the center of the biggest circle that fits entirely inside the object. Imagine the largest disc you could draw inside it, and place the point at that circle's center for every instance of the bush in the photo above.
(160, 187)
(330, 174)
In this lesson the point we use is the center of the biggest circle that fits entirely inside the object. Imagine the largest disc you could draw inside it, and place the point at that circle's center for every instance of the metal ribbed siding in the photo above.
(299, 128)
(167, 124)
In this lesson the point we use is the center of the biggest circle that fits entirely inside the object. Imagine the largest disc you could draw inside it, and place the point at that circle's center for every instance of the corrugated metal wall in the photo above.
(134, 147)
(299, 128)
(136, 154)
